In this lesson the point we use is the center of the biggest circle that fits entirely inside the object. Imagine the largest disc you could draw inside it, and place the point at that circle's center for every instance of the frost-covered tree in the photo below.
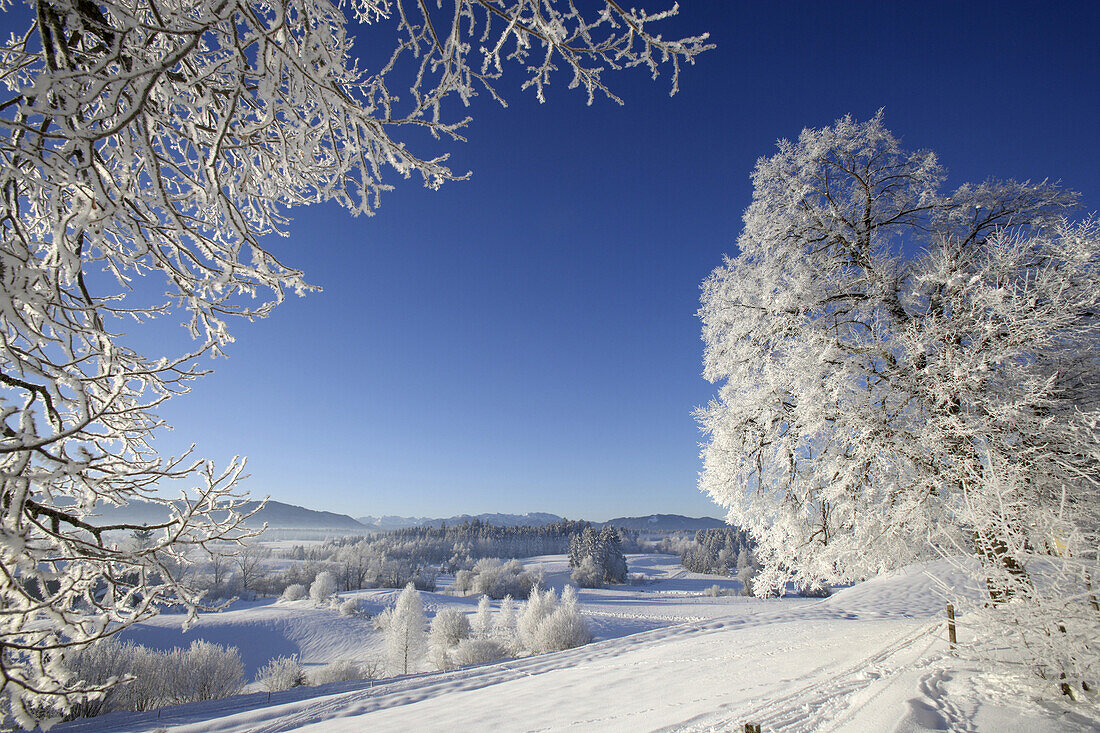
(146, 148)
(483, 619)
(294, 592)
(406, 632)
(547, 625)
(323, 587)
(597, 557)
(448, 628)
(249, 561)
(282, 673)
(903, 366)
(504, 628)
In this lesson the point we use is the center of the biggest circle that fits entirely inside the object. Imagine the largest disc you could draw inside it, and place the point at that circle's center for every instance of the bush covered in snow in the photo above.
(203, 671)
(483, 619)
(281, 673)
(547, 625)
(323, 587)
(294, 592)
(349, 607)
(449, 627)
(477, 651)
(382, 620)
(496, 579)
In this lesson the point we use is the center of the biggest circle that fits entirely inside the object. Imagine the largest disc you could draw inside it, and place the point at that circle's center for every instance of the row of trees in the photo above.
(545, 623)
(906, 369)
(417, 555)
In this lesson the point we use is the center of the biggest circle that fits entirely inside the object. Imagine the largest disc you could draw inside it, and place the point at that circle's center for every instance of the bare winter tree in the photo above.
(905, 368)
(249, 560)
(146, 149)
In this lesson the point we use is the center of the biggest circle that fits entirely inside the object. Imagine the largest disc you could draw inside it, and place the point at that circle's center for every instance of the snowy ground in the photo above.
(666, 657)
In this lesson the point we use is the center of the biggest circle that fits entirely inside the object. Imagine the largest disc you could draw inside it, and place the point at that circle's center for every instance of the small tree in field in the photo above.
(406, 632)
(147, 147)
(483, 620)
(901, 365)
(323, 587)
(448, 628)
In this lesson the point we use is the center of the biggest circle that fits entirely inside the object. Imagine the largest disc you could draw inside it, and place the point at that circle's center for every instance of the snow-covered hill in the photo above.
(666, 657)
(275, 514)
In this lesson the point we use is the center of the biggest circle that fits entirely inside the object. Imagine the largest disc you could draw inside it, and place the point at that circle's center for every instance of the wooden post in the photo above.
(951, 625)
(752, 728)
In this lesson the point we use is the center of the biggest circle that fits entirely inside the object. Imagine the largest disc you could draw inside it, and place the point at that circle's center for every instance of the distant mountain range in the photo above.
(666, 522)
(278, 515)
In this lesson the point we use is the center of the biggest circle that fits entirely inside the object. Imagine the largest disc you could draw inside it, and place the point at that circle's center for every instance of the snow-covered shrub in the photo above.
(538, 608)
(477, 651)
(449, 627)
(547, 625)
(281, 673)
(565, 628)
(205, 671)
(713, 591)
(350, 607)
(405, 635)
(497, 579)
(587, 575)
(341, 670)
(504, 627)
(483, 620)
(109, 659)
(323, 587)
(294, 592)
(382, 620)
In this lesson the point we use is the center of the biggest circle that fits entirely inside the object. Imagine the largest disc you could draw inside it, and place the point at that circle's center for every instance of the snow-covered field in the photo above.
(872, 657)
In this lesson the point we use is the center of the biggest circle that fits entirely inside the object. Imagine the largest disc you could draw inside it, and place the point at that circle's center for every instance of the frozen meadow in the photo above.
(666, 656)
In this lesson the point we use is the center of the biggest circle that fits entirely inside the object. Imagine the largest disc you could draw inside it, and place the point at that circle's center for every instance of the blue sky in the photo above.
(526, 340)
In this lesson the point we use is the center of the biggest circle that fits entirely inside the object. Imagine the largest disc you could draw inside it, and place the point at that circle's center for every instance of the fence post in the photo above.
(951, 626)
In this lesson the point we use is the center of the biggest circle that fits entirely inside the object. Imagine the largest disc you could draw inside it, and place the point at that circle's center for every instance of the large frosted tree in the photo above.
(904, 368)
(147, 148)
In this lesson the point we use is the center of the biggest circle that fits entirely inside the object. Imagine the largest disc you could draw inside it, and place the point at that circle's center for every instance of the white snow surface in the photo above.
(872, 657)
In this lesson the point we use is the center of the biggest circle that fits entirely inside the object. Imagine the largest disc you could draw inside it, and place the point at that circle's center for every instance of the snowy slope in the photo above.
(666, 658)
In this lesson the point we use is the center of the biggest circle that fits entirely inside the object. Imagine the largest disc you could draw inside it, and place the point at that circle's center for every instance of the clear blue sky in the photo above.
(526, 340)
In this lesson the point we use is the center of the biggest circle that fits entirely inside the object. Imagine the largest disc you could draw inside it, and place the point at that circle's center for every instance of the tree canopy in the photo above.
(905, 369)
